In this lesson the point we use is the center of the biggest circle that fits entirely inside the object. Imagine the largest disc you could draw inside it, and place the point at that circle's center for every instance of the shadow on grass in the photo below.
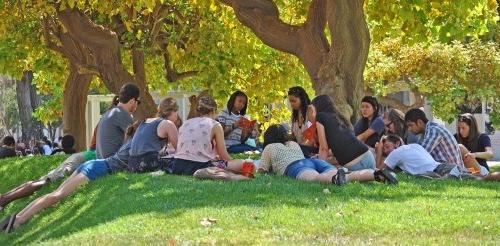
(128, 194)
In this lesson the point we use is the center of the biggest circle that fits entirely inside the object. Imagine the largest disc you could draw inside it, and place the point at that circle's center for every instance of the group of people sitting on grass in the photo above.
(11, 148)
(321, 146)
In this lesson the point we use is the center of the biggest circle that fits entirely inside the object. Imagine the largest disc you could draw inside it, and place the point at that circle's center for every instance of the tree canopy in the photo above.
(431, 47)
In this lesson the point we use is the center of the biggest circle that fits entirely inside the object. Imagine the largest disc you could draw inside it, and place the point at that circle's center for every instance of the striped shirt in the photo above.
(441, 144)
(227, 118)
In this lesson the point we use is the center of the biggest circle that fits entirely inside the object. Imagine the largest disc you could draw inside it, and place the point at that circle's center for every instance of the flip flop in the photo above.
(10, 227)
(4, 223)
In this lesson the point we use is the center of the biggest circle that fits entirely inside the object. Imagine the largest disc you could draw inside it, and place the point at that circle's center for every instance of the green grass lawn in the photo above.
(147, 209)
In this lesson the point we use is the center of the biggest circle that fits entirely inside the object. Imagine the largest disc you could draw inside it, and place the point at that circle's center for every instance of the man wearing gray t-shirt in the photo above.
(113, 123)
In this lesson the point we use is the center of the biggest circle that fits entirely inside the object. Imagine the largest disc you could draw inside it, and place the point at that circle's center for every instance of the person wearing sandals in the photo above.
(89, 171)
(334, 133)
(285, 158)
(299, 101)
(63, 170)
(153, 134)
(201, 143)
(66, 168)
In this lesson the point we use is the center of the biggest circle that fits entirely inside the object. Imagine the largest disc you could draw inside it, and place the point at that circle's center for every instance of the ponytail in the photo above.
(114, 102)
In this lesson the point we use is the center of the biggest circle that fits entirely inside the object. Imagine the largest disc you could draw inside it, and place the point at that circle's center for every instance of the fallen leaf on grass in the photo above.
(157, 173)
(208, 222)
(327, 191)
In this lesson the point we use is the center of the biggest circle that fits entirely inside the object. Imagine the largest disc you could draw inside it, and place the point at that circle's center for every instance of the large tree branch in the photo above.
(170, 72)
(75, 52)
(306, 41)
(48, 35)
(262, 16)
(88, 32)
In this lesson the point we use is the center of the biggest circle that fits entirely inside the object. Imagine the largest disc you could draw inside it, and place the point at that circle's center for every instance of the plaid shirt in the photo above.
(441, 144)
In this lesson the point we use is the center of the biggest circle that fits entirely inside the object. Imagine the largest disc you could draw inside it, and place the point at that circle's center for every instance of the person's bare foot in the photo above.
(216, 173)
(492, 177)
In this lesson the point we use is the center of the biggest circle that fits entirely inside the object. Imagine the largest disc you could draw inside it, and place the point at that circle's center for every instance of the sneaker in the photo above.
(385, 176)
(339, 178)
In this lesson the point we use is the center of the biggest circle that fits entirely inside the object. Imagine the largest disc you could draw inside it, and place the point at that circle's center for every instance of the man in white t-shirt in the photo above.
(413, 158)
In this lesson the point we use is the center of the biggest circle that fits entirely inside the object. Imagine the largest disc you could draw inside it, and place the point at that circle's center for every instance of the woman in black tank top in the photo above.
(335, 133)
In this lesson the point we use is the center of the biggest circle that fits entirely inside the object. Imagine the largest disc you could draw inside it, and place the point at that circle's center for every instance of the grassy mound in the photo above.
(148, 209)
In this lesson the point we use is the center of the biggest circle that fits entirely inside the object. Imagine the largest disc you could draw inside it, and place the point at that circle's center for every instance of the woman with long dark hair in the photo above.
(371, 126)
(335, 134)
(285, 157)
(299, 101)
(235, 132)
(477, 143)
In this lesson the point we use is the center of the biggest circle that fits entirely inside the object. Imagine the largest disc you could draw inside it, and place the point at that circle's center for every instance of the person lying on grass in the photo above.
(201, 145)
(66, 168)
(285, 157)
(89, 171)
(415, 160)
(155, 128)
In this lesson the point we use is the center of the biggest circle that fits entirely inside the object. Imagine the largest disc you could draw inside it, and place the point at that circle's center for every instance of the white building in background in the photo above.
(98, 104)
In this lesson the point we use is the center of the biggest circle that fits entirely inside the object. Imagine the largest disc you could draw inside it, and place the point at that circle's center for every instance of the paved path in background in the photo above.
(493, 163)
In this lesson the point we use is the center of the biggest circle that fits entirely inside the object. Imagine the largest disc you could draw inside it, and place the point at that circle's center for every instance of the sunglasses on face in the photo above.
(138, 101)
(389, 124)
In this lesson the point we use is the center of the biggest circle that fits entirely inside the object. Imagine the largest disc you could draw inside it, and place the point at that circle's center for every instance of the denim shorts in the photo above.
(366, 162)
(94, 169)
(295, 168)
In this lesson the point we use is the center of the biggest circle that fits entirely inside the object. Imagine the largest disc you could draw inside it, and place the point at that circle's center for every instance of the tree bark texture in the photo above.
(23, 91)
(335, 69)
(75, 101)
(105, 49)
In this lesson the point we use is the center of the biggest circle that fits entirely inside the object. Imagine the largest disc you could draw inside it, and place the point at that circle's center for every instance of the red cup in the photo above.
(248, 169)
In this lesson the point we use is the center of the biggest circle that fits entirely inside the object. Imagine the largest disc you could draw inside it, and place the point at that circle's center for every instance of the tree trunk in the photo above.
(24, 103)
(36, 101)
(75, 101)
(335, 69)
(105, 48)
(341, 74)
